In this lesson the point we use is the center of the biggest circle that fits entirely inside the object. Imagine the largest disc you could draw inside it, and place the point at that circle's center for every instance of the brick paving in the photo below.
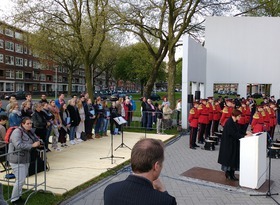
(178, 159)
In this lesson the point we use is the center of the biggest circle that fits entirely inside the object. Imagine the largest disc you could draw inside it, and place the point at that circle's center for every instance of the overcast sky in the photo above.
(5, 7)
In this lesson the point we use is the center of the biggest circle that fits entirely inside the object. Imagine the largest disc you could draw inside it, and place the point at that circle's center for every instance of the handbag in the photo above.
(83, 136)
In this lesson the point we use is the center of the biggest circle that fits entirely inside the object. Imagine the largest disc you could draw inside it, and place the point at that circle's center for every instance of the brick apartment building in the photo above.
(20, 69)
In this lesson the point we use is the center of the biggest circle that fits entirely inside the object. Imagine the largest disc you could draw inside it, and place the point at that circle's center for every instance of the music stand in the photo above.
(121, 121)
(112, 152)
(268, 193)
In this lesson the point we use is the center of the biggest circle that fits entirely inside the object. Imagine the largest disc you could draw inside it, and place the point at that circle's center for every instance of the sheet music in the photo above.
(120, 120)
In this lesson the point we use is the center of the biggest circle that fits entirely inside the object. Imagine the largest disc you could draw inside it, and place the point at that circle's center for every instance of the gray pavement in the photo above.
(178, 159)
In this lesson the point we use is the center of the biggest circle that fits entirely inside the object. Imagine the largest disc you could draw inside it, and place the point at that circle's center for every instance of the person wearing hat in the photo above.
(237, 101)
(242, 121)
(203, 119)
(226, 113)
(273, 119)
(209, 105)
(267, 112)
(217, 112)
(193, 120)
(257, 124)
(248, 113)
(272, 99)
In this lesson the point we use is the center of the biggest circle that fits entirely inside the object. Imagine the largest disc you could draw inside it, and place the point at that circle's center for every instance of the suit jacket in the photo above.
(136, 190)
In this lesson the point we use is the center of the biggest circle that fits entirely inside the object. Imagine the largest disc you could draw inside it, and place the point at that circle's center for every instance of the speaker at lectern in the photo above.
(252, 172)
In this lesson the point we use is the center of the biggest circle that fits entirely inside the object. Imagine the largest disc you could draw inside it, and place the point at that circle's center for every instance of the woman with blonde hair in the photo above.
(15, 115)
(56, 124)
(81, 126)
(26, 109)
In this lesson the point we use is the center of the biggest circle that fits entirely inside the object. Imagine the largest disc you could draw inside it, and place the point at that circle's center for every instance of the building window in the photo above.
(43, 88)
(10, 74)
(19, 74)
(36, 76)
(19, 48)
(30, 63)
(60, 78)
(60, 88)
(35, 64)
(9, 87)
(9, 60)
(19, 61)
(42, 77)
(25, 62)
(18, 35)
(9, 32)
(1, 73)
(1, 43)
(19, 86)
(1, 58)
(1, 30)
(9, 46)
(25, 50)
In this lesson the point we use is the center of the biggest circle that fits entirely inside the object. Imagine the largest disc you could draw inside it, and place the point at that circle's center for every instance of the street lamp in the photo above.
(55, 85)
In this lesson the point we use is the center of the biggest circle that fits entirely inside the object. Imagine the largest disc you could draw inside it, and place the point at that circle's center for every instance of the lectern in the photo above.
(253, 161)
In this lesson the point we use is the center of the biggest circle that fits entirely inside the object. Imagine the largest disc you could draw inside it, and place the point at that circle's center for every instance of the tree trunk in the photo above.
(151, 81)
(88, 81)
(70, 78)
(171, 77)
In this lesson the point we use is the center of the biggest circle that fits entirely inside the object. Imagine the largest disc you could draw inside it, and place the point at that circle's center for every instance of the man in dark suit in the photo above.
(143, 186)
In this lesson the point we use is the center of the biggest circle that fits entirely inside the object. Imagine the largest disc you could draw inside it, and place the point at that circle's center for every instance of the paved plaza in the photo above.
(178, 159)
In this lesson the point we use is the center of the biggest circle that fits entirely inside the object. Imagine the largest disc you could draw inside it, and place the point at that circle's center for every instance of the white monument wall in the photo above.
(243, 50)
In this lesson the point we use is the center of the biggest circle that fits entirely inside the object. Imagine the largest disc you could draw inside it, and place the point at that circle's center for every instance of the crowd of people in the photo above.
(159, 114)
(207, 115)
(34, 123)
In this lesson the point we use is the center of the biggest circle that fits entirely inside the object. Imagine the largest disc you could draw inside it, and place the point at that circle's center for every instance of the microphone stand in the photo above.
(268, 193)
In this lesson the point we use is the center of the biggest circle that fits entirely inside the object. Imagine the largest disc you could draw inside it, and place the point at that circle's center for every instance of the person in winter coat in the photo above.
(229, 149)
(23, 140)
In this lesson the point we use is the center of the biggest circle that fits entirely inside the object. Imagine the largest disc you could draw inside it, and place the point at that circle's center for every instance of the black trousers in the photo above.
(41, 133)
(202, 130)
(193, 134)
(208, 129)
(215, 126)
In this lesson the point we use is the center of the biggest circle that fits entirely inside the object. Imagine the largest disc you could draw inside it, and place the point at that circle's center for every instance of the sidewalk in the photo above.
(178, 159)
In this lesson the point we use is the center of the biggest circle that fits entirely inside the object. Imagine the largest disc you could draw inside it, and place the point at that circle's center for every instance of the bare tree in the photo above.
(79, 22)
(161, 24)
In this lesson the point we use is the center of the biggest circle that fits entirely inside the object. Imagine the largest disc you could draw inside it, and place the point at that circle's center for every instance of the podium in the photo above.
(253, 161)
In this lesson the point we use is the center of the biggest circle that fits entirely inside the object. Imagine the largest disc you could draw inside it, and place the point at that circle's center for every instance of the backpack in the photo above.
(8, 134)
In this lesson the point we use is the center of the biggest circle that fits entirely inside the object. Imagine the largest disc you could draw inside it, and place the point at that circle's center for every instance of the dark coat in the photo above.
(74, 116)
(230, 145)
(39, 120)
(136, 190)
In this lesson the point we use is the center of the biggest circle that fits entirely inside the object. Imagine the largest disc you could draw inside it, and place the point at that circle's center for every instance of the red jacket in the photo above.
(242, 120)
(210, 110)
(248, 114)
(258, 122)
(193, 117)
(217, 112)
(203, 114)
(225, 115)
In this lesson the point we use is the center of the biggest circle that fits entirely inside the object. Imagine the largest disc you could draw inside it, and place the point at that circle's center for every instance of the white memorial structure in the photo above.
(238, 50)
